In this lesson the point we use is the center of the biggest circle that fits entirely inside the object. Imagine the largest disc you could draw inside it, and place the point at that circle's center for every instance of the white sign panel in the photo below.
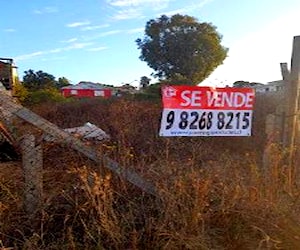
(206, 111)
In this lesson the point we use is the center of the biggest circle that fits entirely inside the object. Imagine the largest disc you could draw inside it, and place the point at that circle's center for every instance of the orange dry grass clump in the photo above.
(212, 193)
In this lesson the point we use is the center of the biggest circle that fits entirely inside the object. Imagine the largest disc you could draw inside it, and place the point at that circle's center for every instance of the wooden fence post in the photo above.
(32, 160)
(284, 71)
(292, 108)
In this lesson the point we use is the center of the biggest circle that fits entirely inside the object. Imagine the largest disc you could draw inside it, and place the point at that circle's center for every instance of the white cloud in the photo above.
(46, 10)
(97, 48)
(52, 51)
(133, 9)
(56, 58)
(127, 3)
(29, 56)
(71, 40)
(187, 8)
(109, 33)
(128, 14)
(78, 24)
(95, 27)
(10, 30)
(99, 35)
(78, 46)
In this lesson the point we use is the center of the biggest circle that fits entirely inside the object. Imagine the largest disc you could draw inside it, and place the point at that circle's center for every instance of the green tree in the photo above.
(38, 80)
(180, 47)
(144, 82)
(62, 82)
(246, 84)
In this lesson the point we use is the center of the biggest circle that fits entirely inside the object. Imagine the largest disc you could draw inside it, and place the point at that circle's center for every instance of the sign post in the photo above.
(206, 111)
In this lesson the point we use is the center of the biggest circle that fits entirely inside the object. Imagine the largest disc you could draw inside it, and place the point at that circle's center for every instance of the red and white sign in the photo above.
(206, 111)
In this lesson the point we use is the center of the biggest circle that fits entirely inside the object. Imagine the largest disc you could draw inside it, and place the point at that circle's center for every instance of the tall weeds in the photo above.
(213, 193)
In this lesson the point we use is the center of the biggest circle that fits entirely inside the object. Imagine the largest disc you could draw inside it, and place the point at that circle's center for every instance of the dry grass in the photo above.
(213, 192)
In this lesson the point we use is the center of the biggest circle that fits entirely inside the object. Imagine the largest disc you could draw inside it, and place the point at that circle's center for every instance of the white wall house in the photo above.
(275, 86)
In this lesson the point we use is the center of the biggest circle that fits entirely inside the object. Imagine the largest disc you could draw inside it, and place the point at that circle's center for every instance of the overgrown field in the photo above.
(213, 193)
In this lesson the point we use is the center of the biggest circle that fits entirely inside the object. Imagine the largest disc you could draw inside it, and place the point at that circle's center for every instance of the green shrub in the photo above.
(20, 92)
(43, 96)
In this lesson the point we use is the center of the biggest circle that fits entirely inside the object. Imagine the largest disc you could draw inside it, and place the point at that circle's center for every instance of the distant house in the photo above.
(87, 89)
(274, 86)
(245, 84)
(270, 87)
(125, 89)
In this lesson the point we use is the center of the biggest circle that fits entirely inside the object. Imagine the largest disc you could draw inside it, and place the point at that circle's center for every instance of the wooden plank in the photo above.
(32, 159)
(65, 138)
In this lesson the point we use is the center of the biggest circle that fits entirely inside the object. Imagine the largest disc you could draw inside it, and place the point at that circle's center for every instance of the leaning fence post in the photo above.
(32, 160)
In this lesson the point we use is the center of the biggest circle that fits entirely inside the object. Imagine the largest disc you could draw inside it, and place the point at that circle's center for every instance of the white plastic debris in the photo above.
(88, 131)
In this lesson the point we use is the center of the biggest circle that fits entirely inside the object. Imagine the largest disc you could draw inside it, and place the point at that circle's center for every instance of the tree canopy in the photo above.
(245, 84)
(144, 82)
(41, 80)
(180, 47)
(62, 82)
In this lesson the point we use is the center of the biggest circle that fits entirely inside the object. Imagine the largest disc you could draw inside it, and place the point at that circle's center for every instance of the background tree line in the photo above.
(37, 87)
(41, 80)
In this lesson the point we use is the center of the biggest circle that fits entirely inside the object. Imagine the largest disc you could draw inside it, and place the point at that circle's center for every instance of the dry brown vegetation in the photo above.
(213, 192)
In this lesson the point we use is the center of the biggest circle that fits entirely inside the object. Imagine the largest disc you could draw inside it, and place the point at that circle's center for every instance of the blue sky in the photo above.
(94, 40)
